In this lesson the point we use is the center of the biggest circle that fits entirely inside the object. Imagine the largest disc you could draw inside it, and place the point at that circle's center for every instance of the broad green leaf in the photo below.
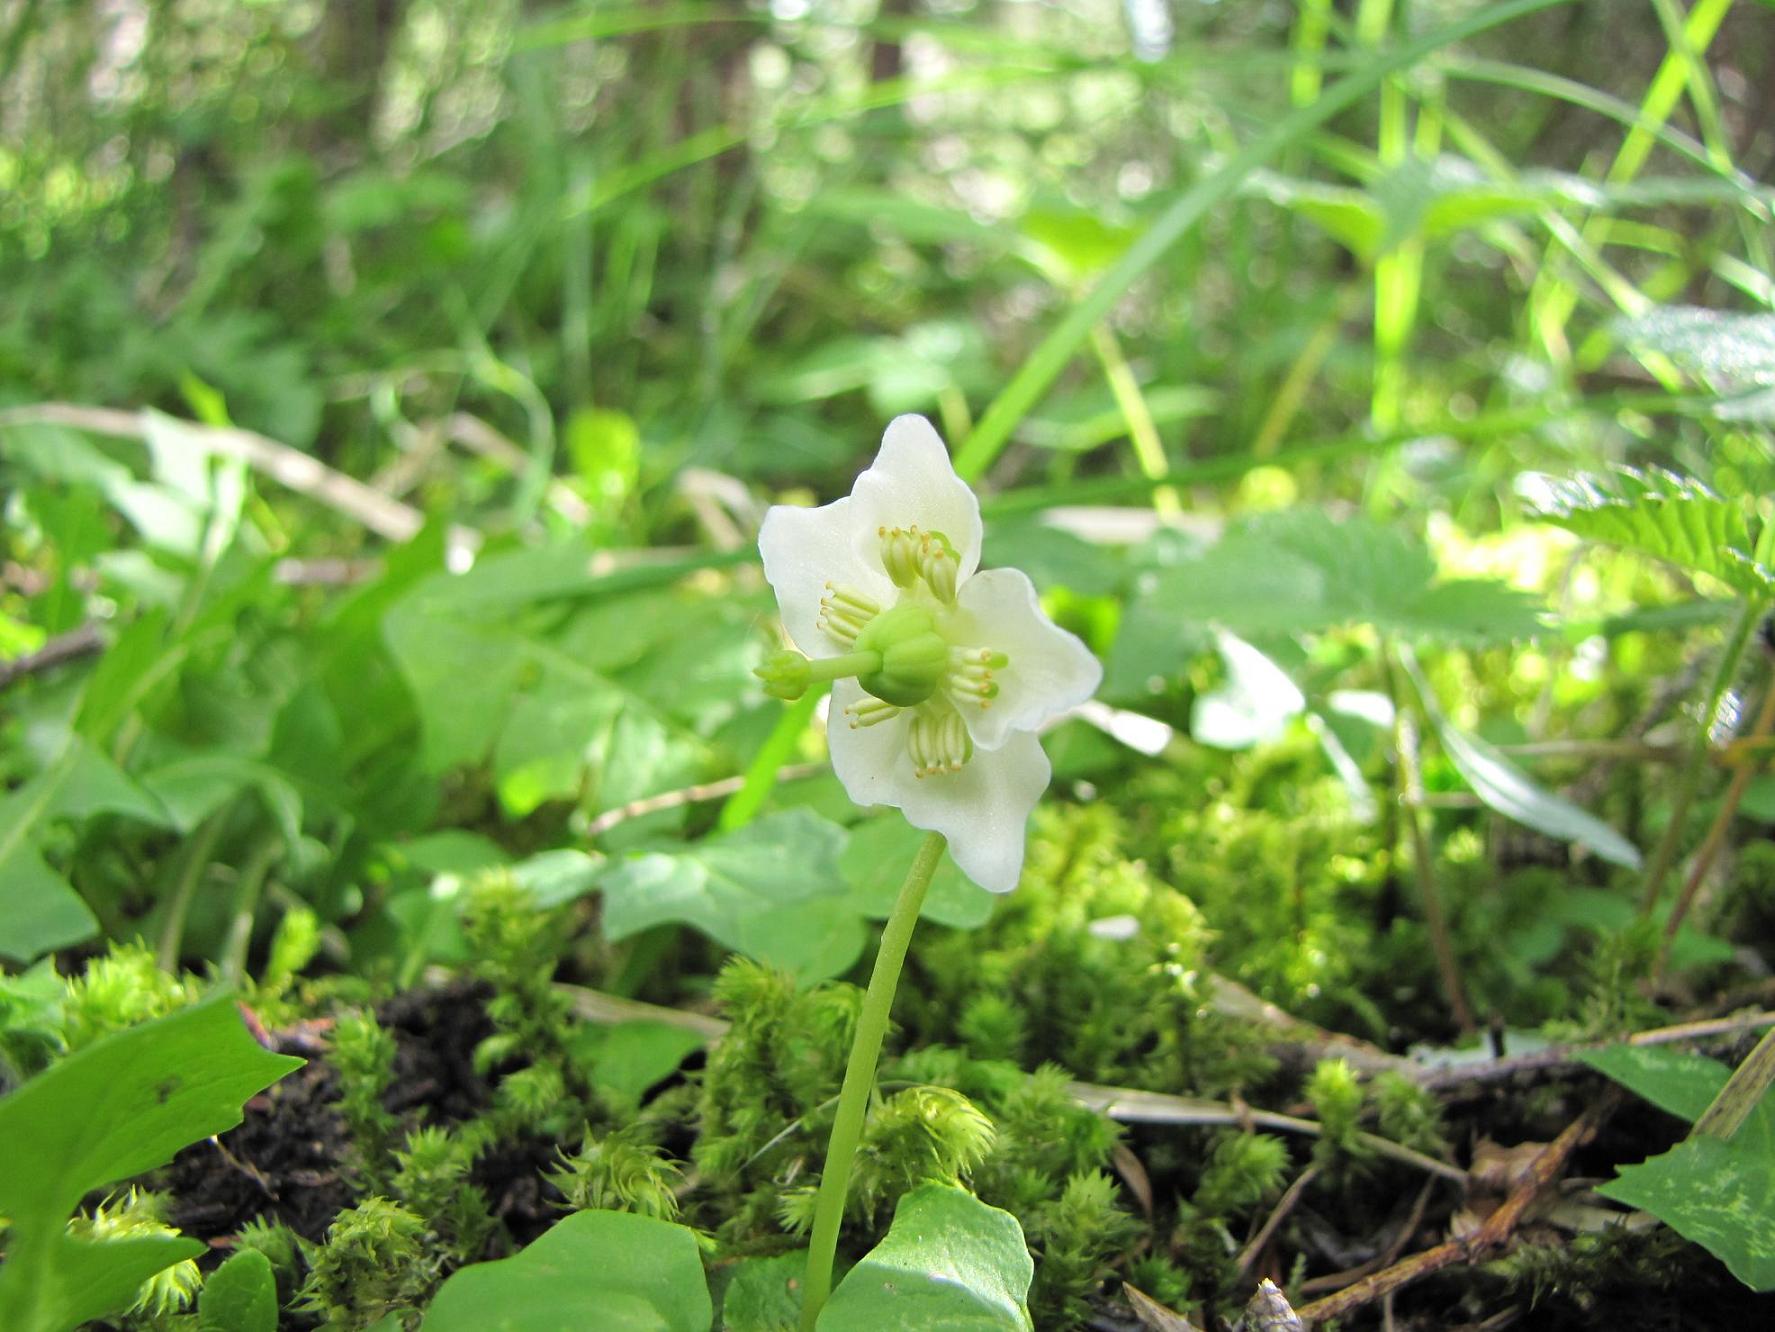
(875, 860)
(1070, 247)
(764, 1294)
(74, 1281)
(1683, 1084)
(629, 1058)
(1719, 1193)
(1505, 788)
(614, 1271)
(1657, 513)
(239, 1296)
(119, 1107)
(556, 877)
(194, 786)
(773, 890)
(1734, 352)
(1298, 571)
(1353, 217)
(39, 909)
(948, 1261)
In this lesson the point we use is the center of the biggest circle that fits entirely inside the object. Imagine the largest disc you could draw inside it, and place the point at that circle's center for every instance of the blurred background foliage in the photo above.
(625, 240)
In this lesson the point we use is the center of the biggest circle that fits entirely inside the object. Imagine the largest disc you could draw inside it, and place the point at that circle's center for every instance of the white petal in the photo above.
(1051, 671)
(873, 762)
(983, 810)
(912, 481)
(803, 550)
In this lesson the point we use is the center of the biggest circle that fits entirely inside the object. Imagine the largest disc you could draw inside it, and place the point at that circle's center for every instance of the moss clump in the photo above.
(620, 1172)
(376, 1261)
(1095, 963)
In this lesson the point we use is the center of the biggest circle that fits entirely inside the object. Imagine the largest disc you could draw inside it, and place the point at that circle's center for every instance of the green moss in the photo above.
(1094, 963)
(375, 1262)
(619, 1171)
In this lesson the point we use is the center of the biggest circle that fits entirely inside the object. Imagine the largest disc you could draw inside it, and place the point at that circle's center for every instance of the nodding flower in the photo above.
(942, 673)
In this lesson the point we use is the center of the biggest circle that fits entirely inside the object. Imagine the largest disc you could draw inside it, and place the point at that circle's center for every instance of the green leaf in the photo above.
(1509, 791)
(773, 890)
(1734, 352)
(629, 1058)
(119, 1107)
(38, 909)
(948, 1262)
(875, 860)
(1682, 1084)
(764, 1294)
(1298, 571)
(614, 1271)
(1719, 1193)
(1657, 513)
(240, 1296)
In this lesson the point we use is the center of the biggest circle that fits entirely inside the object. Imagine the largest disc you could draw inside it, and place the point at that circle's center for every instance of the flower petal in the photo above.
(983, 810)
(873, 762)
(912, 481)
(803, 550)
(1051, 671)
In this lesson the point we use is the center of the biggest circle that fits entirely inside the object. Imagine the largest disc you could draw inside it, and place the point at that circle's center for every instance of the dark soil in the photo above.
(290, 1158)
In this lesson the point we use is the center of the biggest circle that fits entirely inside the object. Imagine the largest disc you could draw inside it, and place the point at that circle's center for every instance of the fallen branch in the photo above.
(1561, 1057)
(58, 651)
(300, 472)
(689, 795)
(1493, 1235)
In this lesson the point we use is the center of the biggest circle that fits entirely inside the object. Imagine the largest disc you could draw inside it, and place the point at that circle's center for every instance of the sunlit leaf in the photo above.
(1509, 791)
(1735, 353)
(1299, 571)
(1656, 513)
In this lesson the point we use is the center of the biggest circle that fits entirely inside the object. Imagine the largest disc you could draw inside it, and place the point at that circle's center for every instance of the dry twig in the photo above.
(58, 651)
(1497, 1231)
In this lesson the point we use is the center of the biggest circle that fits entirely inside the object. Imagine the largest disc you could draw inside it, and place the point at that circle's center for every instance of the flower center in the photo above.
(904, 656)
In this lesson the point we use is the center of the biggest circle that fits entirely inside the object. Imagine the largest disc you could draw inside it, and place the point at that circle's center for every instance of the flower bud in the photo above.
(785, 674)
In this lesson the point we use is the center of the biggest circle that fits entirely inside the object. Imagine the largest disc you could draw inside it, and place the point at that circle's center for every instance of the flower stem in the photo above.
(859, 1077)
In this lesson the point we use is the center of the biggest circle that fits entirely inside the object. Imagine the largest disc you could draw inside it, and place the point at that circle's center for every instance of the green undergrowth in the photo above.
(1101, 969)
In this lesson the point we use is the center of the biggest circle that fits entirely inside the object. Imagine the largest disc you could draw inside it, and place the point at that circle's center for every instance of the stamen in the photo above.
(843, 613)
(909, 554)
(970, 674)
(938, 742)
(869, 712)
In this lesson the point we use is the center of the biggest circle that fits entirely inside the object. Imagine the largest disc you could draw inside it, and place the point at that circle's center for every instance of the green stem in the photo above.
(859, 1077)
(1696, 763)
(1741, 1093)
(199, 852)
(820, 669)
(246, 907)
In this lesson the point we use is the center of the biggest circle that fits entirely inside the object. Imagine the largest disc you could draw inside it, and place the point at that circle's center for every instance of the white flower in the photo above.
(942, 675)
